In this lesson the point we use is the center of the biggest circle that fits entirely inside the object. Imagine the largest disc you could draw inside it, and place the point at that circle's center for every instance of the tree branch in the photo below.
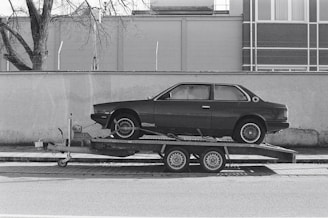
(12, 55)
(20, 65)
(18, 37)
(46, 11)
(35, 20)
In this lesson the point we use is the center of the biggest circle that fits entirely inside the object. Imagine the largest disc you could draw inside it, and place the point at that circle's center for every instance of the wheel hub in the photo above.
(250, 133)
(213, 160)
(124, 128)
(177, 160)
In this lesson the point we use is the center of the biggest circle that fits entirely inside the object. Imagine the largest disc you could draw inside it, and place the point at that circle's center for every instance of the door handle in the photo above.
(206, 107)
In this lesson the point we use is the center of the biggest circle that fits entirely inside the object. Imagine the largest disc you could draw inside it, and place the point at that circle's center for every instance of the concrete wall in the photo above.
(185, 43)
(34, 105)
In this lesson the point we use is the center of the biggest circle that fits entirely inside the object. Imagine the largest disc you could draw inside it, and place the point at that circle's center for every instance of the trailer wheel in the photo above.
(62, 163)
(212, 160)
(125, 126)
(176, 159)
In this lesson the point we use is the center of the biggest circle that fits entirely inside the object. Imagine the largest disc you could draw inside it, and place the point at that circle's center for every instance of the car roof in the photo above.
(206, 83)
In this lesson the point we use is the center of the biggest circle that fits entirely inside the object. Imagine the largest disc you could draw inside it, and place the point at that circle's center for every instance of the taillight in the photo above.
(282, 114)
(286, 113)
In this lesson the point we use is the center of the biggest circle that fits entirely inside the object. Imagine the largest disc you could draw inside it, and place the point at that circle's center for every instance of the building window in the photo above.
(221, 5)
(323, 10)
(264, 10)
(298, 10)
(281, 10)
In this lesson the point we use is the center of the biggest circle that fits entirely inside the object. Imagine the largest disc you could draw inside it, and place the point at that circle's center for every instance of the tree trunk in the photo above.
(39, 28)
(39, 55)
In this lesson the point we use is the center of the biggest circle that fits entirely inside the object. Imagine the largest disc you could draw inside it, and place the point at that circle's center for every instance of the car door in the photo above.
(226, 101)
(184, 108)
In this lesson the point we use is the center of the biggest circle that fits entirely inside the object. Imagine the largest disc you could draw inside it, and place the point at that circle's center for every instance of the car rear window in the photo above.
(228, 93)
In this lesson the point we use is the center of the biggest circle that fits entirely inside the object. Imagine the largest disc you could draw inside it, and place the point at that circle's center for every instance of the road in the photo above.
(266, 190)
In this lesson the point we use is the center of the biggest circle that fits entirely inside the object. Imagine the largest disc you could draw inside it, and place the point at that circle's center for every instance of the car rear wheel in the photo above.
(125, 126)
(250, 131)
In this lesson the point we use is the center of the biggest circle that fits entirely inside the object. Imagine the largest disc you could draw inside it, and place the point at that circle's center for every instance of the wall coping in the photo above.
(13, 73)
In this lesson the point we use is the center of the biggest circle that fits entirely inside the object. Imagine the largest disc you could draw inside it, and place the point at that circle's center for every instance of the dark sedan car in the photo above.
(205, 109)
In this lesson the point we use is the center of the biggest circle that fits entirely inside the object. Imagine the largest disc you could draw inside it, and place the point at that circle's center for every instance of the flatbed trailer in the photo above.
(175, 151)
(212, 155)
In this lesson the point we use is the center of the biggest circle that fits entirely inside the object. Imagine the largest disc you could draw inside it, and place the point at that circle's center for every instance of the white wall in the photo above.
(34, 105)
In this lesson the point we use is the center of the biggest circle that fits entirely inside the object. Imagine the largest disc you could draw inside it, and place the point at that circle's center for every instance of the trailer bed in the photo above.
(175, 151)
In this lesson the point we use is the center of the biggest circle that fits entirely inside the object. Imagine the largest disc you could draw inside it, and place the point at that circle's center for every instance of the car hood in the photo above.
(112, 106)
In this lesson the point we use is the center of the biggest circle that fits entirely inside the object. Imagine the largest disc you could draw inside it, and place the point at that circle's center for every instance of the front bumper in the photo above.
(102, 119)
(274, 126)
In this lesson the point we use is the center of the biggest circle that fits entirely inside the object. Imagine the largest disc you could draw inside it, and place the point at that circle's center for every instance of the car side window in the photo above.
(228, 93)
(190, 92)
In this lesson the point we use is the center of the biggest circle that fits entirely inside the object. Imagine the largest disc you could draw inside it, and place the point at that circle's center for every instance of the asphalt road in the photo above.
(34, 189)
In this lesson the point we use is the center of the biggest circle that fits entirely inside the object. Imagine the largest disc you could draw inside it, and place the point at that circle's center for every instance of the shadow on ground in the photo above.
(126, 171)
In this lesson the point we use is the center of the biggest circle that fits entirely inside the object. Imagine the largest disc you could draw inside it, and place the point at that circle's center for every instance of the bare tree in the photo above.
(39, 22)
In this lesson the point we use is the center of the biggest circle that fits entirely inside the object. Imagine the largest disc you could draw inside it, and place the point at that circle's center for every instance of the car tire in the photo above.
(125, 126)
(250, 131)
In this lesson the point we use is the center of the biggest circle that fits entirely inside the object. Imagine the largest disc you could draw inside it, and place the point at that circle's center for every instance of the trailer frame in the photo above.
(175, 151)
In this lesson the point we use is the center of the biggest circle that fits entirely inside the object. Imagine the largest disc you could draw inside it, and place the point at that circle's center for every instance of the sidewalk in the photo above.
(31, 154)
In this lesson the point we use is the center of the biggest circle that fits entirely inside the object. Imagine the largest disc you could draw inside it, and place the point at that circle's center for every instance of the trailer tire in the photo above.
(177, 159)
(125, 126)
(213, 160)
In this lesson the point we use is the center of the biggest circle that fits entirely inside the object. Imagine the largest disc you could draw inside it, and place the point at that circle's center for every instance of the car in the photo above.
(195, 109)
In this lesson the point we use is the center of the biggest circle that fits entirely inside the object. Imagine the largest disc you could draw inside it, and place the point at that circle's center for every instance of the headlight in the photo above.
(100, 110)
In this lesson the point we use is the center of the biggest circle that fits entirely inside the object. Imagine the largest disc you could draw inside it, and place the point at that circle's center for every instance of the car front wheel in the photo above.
(125, 126)
(249, 131)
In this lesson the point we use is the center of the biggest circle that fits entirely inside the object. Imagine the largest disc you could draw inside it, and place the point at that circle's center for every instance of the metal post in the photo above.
(58, 55)
(69, 130)
(157, 56)
(95, 50)
(251, 34)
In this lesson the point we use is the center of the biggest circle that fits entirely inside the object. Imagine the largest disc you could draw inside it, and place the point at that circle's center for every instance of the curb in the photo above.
(154, 160)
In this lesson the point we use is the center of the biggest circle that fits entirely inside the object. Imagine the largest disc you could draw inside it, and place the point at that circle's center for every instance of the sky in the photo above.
(5, 9)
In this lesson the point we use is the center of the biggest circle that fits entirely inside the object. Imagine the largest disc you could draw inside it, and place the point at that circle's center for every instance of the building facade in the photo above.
(285, 35)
